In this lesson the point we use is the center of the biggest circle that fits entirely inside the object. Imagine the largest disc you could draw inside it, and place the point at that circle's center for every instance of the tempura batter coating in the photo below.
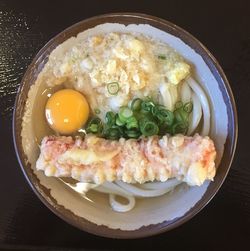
(96, 160)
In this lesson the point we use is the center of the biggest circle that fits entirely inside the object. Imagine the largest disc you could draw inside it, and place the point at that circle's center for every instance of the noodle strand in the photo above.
(204, 103)
(196, 114)
(169, 184)
(129, 192)
(119, 207)
(140, 192)
(186, 93)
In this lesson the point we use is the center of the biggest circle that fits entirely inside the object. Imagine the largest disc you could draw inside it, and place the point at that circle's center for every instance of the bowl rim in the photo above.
(144, 231)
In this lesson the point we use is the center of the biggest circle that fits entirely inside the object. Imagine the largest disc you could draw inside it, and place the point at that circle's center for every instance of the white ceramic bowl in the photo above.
(153, 215)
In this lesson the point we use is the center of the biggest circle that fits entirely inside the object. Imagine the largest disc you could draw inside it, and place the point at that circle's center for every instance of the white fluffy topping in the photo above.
(132, 60)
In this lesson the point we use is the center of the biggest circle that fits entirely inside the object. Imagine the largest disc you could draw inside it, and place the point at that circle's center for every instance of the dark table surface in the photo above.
(25, 26)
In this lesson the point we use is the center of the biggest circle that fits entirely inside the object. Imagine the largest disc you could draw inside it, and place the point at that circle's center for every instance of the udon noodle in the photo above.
(199, 122)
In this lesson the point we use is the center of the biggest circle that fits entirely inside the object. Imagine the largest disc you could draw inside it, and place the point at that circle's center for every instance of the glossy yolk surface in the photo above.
(67, 111)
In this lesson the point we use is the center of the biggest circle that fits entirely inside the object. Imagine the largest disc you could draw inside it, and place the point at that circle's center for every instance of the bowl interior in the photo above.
(150, 216)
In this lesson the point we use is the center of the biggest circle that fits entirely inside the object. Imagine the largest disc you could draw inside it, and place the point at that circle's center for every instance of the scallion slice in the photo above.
(132, 123)
(136, 104)
(112, 133)
(113, 88)
(97, 111)
(178, 105)
(181, 115)
(125, 113)
(166, 116)
(110, 118)
(118, 121)
(161, 56)
(148, 128)
(154, 110)
(188, 107)
(94, 126)
(146, 106)
(179, 127)
(132, 133)
(141, 117)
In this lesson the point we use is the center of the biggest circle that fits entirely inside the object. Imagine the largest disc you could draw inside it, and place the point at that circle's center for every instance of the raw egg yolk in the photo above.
(67, 111)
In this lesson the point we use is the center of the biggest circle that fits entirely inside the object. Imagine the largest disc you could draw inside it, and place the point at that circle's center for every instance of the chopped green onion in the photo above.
(161, 56)
(133, 133)
(125, 113)
(113, 88)
(147, 106)
(166, 116)
(148, 128)
(112, 133)
(118, 121)
(188, 107)
(136, 104)
(110, 118)
(95, 120)
(179, 128)
(132, 123)
(120, 129)
(142, 117)
(154, 110)
(97, 111)
(178, 105)
(181, 115)
(94, 126)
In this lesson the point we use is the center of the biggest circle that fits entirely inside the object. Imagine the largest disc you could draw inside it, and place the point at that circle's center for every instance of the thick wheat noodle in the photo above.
(113, 190)
(157, 185)
(140, 192)
(153, 189)
(204, 103)
(196, 114)
(129, 192)
(186, 93)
